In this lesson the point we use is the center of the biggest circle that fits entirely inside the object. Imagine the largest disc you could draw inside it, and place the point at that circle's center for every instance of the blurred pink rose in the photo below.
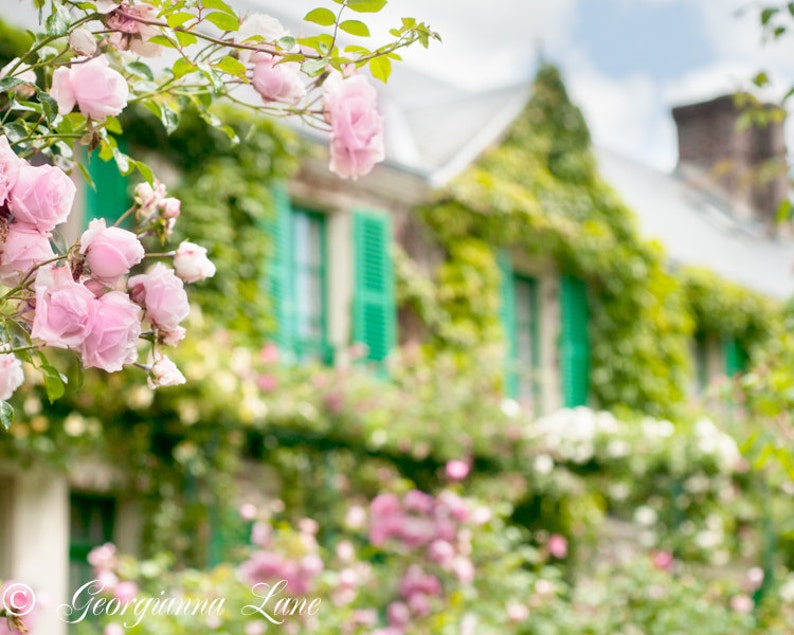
(191, 263)
(441, 552)
(558, 546)
(82, 41)
(126, 591)
(110, 251)
(415, 500)
(171, 207)
(97, 89)
(24, 248)
(103, 557)
(20, 600)
(457, 470)
(64, 314)
(269, 353)
(278, 82)
(114, 628)
(663, 560)
(356, 127)
(463, 569)
(11, 375)
(113, 337)
(398, 614)
(163, 296)
(42, 196)
(742, 603)
(10, 164)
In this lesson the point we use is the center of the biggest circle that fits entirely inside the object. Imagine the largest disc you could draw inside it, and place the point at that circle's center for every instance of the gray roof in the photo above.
(700, 229)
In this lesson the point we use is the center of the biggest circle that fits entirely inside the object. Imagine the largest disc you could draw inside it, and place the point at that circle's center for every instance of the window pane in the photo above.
(310, 283)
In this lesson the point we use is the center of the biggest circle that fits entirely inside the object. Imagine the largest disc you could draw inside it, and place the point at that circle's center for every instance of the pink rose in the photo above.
(398, 614)
(148, 198)
(558, 546)
(164, 373)
(163, 296)
(114, 628)
(191, 263)
(23, 249)
(82, 41)
(132, 34)
(42, 196)
(64, 315)
(126, 591)
(356, 127)
(441, 552)
(97, 89)
(9, 169)
(457, 470)
(278, 82)
(103, 557)
(20, 600)
(171, 207)
(112, 339)
(11, 375)
(663, 560)
(110, 251)
(262, 28)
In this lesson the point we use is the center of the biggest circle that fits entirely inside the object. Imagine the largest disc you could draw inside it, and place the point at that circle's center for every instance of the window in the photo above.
(310, 286)
(575, 342)
(109, 198)
(735, 357)
(700, 357)
(92, 519)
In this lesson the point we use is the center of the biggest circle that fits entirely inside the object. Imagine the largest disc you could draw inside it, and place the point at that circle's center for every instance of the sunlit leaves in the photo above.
(355, 27)
(366, 6)
(321, 16)
(380, 67)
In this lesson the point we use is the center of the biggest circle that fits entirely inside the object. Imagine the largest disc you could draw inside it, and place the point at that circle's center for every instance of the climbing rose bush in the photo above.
(115, 297)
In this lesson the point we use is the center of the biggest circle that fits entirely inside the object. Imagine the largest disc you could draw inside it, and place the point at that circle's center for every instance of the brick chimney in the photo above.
(746, 165)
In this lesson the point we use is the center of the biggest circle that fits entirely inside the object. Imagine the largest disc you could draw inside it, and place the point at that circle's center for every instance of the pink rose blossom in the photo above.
(11, 375)
(463, 569)
(663, 560)
(148, 198)
(113, 337)
(163, 296)
(132, 34)
(398, 614)
(278, 82)
(261, 534)
(24, 248)
(356, 127)
(165, 373)
(125, 591)
(172, 337)
(262, 28)
(10, 164)
(191, 263)
(18, 598)
(457, 470)
(114, 628)
(742, 603)
(269, 353)
(64, 314)
(97, 89)
(441, 552)
(171, 207)
(42, 196)
(110, 251)
(103, 558)
(82, 41)
(558, 546)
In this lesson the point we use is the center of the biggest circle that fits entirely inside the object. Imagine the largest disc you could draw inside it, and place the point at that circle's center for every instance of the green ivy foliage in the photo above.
(538, 192)
(226, 191)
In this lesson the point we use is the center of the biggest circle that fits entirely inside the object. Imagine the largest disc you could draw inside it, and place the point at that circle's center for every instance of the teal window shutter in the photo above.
(374, 307)
(735, 357)
(507, 315)
(110, 197)
(575, 344)
(278, 274)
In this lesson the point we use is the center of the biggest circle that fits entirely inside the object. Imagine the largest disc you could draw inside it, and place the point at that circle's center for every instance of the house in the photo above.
(332, 275)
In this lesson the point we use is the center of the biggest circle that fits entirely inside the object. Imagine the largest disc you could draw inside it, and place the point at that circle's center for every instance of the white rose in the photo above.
(191, 262)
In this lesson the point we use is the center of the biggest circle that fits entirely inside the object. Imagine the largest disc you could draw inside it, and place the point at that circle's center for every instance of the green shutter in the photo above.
(575, 344)
(374, 309)
(278, 273)
(92, 521)
(507, 315)
(735, 357)
(109, 198)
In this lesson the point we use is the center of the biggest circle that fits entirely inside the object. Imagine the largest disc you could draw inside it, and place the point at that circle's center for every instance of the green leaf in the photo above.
(321, 16)
(184, 38)
(141, 70)
(145, 170)
(183, 67)
(162, 40)
(87, 175)
(355, 48)
(380, 67)
(231, 133)
(220, 5)
(355, 27)
(366, 6)
(6, 415)
(57, 23)
(54, 382)
(767, 14)
(112, 124)
(178, 19)
(232, 66)
(784, 211)
(9, 83)
(287, 42)
(224, 21)
(314, 67)
(761, 79)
